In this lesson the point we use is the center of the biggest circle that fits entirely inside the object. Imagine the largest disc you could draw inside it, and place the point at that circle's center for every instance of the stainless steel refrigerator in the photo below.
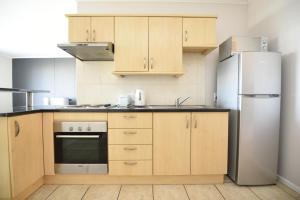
(249, 83)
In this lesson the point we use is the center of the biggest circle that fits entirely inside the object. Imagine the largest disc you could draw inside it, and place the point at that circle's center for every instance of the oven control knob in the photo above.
(71, 128)
(89, 128)
(79, 128)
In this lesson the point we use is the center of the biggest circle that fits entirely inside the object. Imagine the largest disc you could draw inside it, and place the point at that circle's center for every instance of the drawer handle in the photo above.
(129, 132)
(130, 148)
(17, 128)
(129, 116)
(130, 163)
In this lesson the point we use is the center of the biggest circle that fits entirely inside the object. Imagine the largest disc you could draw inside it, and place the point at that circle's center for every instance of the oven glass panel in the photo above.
(80, 148)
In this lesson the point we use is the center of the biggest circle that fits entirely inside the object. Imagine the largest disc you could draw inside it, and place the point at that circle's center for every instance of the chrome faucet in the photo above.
(179, 103)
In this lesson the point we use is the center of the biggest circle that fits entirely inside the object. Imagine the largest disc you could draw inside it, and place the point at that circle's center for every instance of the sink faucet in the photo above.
(179, 103)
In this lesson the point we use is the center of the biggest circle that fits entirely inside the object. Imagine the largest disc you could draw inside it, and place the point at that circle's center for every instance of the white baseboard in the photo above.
(288, 183)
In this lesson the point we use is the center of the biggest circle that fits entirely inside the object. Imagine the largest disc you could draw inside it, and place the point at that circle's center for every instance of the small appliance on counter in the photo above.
(139, 98)
(124, 101)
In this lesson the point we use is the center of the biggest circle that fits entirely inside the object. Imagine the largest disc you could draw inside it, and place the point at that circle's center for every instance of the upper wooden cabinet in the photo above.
(171, 143)
(91, 29)
(131, 44)
(199, 34)
(209, 143)
(165, 44)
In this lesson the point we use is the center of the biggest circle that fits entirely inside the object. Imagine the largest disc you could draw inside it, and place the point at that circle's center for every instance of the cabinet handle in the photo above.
(129, 116)
(87, 35)
(94, 35)
(187, 122)
(196, 125)
(151, 63)
(186, 35)
(129, 132)
(130, 163)
(145, 63)
(17, 128)
(130, 148)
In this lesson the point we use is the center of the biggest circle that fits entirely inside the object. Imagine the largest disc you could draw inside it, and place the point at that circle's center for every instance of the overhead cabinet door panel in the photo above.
(165, 44)
(131, 44)
(79, 29)
(102, 29)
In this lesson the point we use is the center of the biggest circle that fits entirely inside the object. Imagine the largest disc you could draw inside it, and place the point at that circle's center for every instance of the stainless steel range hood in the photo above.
(103, 51)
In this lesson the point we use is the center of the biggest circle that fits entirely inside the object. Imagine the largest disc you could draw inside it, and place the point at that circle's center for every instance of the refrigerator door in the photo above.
(258, 139)
(227, 97)
(260, 73)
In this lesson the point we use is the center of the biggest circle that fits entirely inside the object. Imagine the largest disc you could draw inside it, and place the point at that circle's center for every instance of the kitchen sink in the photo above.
(174, 107)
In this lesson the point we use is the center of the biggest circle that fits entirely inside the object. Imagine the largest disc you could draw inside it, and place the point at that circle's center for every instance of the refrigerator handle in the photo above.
(261, 95)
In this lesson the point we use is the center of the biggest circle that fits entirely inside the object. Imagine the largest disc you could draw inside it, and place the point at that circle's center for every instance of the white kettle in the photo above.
(139, 98)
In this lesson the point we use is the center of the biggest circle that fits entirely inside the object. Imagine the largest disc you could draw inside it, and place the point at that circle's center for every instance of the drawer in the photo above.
(130, 136)
(130, 167)
(71, 116)
(130, 152)
(130, 120)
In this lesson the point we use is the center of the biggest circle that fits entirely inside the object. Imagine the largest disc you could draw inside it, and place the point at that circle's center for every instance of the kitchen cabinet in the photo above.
(91, 29)
(171, 143)
(25, 154)
(209, 143)
(131, 44)
(199, 34)
(165, 44)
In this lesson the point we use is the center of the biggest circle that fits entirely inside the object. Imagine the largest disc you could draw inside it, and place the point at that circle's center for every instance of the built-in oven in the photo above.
(80, 147)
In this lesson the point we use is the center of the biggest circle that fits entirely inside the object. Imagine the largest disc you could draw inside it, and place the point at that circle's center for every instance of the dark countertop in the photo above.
(14, 111)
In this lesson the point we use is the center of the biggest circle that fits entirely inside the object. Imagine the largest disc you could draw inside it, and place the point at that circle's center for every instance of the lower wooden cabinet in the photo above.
(25, 153)
(209, 143)
(171, 143)
(130, 168)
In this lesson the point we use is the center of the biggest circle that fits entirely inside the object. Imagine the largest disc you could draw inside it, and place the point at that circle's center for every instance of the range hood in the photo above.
(103, 51)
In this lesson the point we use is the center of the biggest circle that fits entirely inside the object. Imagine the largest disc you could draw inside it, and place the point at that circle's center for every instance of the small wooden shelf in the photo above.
(202, 50)
(123, 74)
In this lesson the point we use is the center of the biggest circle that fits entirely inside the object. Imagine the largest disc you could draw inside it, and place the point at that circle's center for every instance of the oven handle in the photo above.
(77, 136)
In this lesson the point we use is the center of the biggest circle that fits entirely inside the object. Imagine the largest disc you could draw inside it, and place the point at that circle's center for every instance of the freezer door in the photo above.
(227, 97)
(260, 73)
(258, 139)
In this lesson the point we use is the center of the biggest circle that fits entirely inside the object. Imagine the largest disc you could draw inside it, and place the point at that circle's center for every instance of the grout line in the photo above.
(254, 193)
(52, 192)
(289, 194)
(186, 192)
(219, 191)
(153, 192)
(119, 191)
(86, 191)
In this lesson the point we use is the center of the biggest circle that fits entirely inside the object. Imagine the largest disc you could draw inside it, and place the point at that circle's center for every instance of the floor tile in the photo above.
(293, 193)
(43, 192)
(136, 192)
(69, 192)
(227, 179)
(203, 192)
(169, 192)
(230, 191)
(271, 193)
(102, 192)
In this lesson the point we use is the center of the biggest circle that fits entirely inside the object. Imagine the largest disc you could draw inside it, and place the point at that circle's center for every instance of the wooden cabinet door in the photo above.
(102, 29)
(131, 44)
(209, 143)
(165, 44)
(199, 32)
(79, 29)
(171, 143)
(26, 151)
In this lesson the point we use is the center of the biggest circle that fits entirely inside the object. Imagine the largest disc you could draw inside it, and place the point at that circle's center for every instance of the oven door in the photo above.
(80, 152)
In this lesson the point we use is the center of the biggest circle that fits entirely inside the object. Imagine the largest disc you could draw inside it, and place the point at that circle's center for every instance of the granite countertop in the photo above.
(13, 111)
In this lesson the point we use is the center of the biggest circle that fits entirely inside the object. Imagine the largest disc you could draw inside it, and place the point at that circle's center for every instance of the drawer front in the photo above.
(130, 120)
(130, 152)
(130, 136)
(130, 167)
(70, 116)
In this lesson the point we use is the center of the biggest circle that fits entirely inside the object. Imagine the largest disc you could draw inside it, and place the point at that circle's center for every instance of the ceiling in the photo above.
(33, 28)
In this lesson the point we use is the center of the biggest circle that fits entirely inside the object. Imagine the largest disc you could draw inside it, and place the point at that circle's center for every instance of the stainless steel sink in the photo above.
(175, 107)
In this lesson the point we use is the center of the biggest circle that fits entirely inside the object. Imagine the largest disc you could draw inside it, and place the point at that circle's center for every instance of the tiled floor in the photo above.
(227, 191)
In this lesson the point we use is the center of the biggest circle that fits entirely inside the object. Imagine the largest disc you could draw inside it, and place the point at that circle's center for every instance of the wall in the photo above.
(5, 81)
(54, 74)
(280, 22)
(200, 78)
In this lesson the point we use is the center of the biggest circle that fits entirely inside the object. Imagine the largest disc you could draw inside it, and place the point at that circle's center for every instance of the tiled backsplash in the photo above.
(96, 84)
